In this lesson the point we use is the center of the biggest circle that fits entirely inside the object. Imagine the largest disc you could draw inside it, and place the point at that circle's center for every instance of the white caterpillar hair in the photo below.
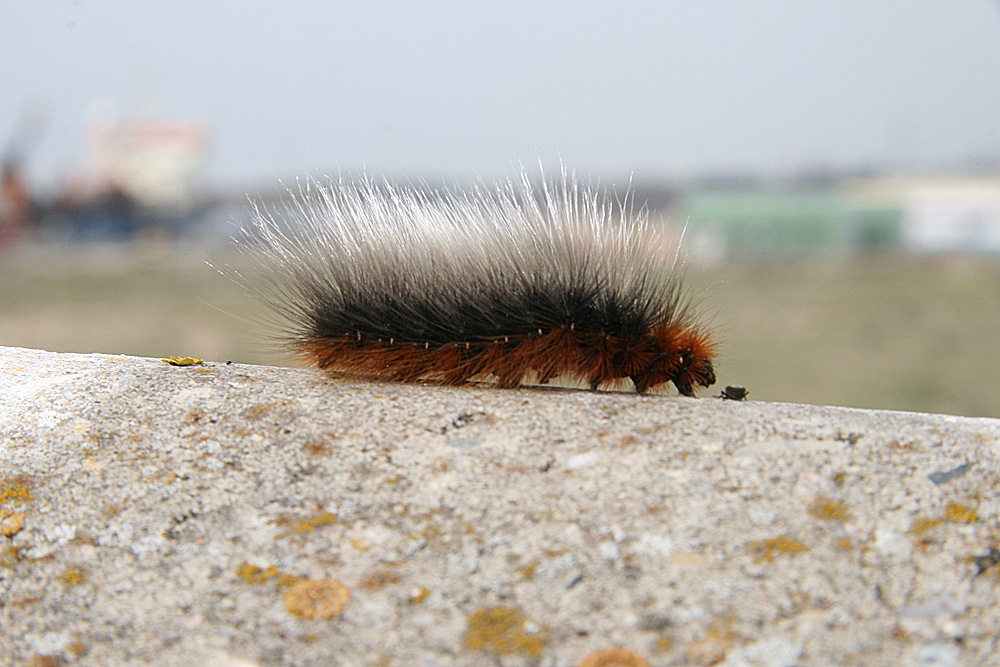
(509, 284)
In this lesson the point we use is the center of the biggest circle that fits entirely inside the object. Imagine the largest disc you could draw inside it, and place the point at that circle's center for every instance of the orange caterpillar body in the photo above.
(508, 285)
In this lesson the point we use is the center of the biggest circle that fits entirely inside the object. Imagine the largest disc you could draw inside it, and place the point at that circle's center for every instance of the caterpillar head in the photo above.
(695, 370)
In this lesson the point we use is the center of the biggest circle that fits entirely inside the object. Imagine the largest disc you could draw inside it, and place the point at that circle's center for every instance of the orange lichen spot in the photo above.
(317, 598)
(923, 524)
(663, 645)
(10, 555)
(765, 550)
(829, 510)
(379, 579)
(501, 631)
(314, 522)
(77, 648)
(39, 660)
(253, 574)
(285, 580)
(74, 576)
(616, 656)
(11, 522)
(845, 544)
(182, 361)
(419, 594)
(958, 513)
(15, 490)
(317, 447)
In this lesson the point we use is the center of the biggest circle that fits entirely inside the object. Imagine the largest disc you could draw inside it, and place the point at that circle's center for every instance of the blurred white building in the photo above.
(153, 161)
(938, 214)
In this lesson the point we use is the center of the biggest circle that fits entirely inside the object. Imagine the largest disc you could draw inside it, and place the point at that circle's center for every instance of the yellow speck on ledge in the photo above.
(182, 361)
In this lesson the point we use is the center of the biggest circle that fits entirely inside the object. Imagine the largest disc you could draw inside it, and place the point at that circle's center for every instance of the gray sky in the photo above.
(660, 89)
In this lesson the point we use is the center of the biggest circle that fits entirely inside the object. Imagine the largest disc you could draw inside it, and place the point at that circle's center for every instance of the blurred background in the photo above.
(835, 166)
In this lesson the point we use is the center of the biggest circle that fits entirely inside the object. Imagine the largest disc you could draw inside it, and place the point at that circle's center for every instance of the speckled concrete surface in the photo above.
(153, 514)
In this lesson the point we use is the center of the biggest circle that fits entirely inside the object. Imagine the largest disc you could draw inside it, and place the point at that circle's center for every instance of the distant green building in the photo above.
(752, 221)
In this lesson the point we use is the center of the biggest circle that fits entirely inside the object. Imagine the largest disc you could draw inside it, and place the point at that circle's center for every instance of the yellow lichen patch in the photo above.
(9, 556)
(11, 522)
(845, 544)
(765, 550)
(317, 598)
(923, 524)
(253, 574)
(616, 656)
(285, 580)
(953, 513)
(829, 510)
(312, 523)
(182, 361)
(958, 513)
(501, 630)
(15, 490)
(74, 576)
(528, 571)
(419, 594)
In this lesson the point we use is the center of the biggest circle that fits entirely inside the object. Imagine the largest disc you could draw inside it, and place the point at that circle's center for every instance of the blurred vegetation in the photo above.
(876, 332)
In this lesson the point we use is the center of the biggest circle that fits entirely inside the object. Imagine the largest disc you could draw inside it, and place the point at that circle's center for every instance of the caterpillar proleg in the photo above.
(510, 284)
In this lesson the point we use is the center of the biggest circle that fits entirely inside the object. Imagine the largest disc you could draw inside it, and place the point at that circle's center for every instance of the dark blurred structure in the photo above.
(140, 178)
(15, 203)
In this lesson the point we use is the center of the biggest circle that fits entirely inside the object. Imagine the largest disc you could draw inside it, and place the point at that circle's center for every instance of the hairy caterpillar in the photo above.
(509, 285)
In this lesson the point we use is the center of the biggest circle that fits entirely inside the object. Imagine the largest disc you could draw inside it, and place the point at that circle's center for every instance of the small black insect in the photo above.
(734, 393)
